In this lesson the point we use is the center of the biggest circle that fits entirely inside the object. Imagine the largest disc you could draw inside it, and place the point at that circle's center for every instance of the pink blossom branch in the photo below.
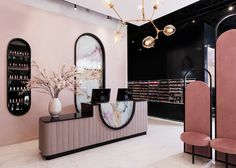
(67, 77)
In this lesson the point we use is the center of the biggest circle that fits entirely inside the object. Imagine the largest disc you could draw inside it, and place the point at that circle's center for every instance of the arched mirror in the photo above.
(89, 56)
(117, 115)
(18, 72)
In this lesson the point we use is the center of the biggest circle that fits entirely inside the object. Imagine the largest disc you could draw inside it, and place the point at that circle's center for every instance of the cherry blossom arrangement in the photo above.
(68, 77)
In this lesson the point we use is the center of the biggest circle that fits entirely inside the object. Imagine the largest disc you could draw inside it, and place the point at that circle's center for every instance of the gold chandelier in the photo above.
(149, 41)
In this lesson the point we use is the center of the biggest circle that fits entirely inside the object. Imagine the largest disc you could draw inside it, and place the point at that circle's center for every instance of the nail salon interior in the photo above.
(118, 84)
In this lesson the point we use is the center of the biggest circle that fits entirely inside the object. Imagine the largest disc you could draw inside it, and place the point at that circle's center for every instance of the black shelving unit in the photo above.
(162, 91)
(165, 97)
(140, 90)
(18, 73)
(169, 91)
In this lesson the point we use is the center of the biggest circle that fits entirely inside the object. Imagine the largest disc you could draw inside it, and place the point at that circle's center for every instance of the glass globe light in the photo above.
(118, 36)
(148, 42)
(109, 3)
(169, 30)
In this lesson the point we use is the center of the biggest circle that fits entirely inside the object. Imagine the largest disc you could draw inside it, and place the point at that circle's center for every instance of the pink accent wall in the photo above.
(197, 112)
(226, 87)
(52, 38)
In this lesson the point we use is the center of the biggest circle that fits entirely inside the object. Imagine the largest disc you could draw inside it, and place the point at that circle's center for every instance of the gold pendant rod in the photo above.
(118, 14)
(138, 20)
(143, 12)
(152, 15)
(153, 24)
(120, 27)
(148, 41)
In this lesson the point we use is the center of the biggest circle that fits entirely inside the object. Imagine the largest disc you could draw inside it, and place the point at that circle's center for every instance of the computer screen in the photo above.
(124, 94)
(100, 95)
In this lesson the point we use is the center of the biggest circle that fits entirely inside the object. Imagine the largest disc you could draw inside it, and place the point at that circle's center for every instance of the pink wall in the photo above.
(51, 37)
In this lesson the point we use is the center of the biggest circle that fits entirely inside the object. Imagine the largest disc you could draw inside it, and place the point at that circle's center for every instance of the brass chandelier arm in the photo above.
(153, 12)
(138, 20)
(120, 27)
(117, 14)
(151, 21)
(143, 12)
(149, 41)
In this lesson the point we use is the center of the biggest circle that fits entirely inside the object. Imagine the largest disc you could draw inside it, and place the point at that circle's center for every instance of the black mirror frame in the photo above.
(123, 126)
(103, 61)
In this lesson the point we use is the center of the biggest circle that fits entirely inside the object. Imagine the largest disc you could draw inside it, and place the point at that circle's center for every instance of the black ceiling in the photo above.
(206, 11)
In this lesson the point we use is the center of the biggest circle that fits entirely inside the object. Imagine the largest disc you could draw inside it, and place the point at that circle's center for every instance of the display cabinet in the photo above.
(162, 91)
(18, 72)
(140, 90)
(170, 91)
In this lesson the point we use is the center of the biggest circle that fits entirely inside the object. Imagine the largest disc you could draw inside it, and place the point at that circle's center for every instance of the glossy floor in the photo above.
(160, 148)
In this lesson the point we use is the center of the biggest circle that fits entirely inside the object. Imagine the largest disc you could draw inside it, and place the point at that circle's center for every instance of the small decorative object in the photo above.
(54, 107)
(52, 84)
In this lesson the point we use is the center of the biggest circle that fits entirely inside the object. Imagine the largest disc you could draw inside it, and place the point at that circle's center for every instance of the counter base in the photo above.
(92, 146)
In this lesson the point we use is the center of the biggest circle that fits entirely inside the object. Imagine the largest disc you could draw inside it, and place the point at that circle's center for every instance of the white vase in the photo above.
(54, 107)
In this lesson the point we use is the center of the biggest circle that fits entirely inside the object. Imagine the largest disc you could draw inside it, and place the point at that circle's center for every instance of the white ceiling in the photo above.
(128, 9)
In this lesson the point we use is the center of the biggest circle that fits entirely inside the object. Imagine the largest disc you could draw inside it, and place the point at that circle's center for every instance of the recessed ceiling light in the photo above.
(207, 45)
(193, 21)
(230, 8)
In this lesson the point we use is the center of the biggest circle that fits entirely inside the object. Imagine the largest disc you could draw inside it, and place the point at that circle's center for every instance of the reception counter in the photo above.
(76, 132)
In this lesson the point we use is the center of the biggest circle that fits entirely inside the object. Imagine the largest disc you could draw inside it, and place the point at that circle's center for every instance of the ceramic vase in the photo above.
(54, 107)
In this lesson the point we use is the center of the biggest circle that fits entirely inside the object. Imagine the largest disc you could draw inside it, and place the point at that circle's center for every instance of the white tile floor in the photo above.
(160, 148)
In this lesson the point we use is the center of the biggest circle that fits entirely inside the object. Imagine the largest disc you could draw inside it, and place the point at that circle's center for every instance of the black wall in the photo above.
(143, 64)
(186, 52)
(171, 57)
(174, 55)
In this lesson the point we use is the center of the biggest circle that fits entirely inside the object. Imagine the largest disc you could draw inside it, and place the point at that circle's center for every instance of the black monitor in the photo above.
(124, 94)
(100, 95)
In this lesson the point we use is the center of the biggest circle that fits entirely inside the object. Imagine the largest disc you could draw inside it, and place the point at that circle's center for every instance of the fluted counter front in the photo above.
(72, 132)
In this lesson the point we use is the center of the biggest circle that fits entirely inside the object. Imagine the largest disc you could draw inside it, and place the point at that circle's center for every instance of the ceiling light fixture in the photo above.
(118, 36)
(149, 41)
(75, 7)
(230, 8)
